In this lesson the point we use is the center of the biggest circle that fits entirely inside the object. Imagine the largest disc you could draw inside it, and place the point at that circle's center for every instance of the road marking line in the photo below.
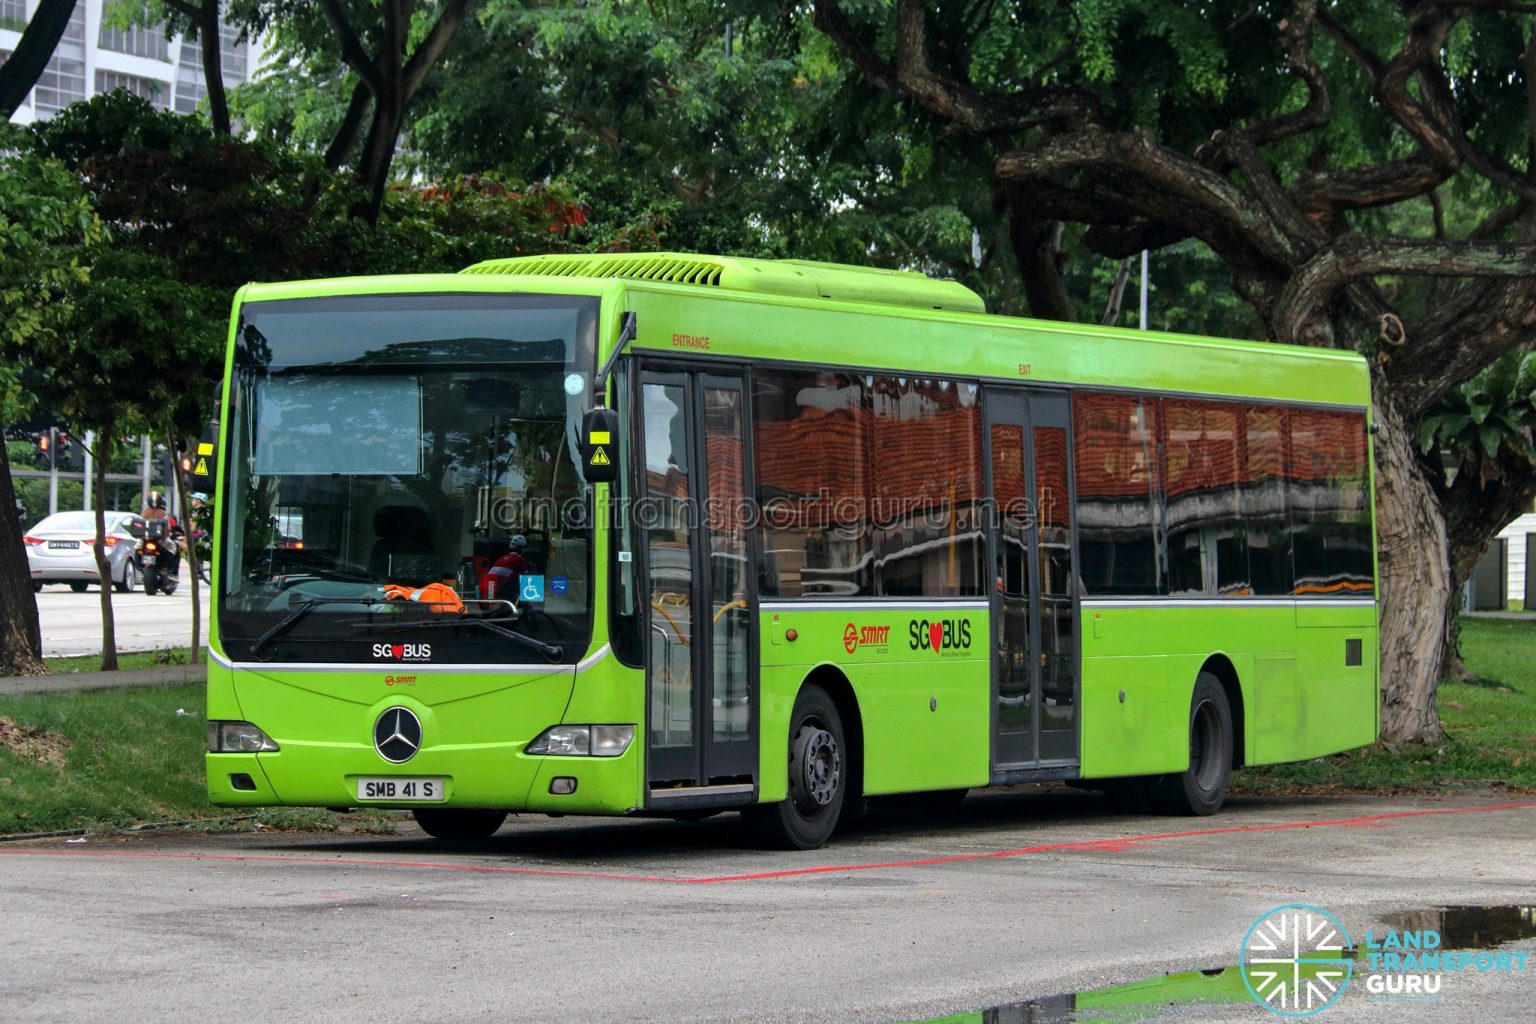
(1107, 845)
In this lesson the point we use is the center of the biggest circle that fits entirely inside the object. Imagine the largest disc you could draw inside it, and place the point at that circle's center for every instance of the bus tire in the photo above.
(462, 824)
(1201, 788)
(818, 779)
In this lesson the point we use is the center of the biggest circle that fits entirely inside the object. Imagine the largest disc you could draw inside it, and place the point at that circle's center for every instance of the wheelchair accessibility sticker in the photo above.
(532, 589)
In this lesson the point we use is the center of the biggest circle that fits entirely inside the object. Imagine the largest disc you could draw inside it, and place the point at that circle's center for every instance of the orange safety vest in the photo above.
(439, 596)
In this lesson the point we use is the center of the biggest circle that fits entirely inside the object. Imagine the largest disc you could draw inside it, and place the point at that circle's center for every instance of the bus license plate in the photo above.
(422, 790)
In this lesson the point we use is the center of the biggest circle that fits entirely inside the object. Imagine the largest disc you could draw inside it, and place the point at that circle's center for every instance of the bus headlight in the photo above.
(583, 740)
(237, 738)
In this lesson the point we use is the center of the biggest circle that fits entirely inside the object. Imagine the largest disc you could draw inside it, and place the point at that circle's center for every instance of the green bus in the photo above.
(671, 534)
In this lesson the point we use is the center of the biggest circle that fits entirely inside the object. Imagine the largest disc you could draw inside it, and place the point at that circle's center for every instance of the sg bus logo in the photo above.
(403, 652)
(939, 636)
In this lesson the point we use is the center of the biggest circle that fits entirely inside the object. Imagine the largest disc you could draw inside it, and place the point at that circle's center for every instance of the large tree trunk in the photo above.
(99, 465)
(21, 641)
(1411, 540)
(20, 73)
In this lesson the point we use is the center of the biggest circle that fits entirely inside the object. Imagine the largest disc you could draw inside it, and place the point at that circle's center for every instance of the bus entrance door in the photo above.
(1034, 608)
(700, 678)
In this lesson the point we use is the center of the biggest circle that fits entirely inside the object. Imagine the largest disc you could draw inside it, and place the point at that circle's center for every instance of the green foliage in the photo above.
(47, 232)
(1493, 413)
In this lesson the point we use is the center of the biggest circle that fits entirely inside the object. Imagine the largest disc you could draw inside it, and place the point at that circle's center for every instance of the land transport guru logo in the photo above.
(1297, 960)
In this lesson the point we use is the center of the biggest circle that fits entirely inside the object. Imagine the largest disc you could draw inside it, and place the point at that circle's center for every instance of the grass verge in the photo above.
(110, 759)
(135, 659)
(1490, 730)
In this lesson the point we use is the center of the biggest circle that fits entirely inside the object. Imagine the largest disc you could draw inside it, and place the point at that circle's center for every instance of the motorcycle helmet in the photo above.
(156, 500)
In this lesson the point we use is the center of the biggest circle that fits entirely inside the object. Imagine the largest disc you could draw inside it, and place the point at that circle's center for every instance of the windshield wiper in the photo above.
(298, 615)
(548, 650)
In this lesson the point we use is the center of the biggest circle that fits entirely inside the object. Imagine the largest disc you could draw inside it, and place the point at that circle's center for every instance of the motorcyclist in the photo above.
(170, 558)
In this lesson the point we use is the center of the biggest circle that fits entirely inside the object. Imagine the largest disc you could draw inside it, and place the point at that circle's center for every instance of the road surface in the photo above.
(1022, 895)
(71, 623)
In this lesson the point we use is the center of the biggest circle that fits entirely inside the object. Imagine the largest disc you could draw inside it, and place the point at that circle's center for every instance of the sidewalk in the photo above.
(160, 675)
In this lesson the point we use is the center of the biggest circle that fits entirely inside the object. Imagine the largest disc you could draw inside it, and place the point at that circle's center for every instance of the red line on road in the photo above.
(1119, 844)
(1107, 845)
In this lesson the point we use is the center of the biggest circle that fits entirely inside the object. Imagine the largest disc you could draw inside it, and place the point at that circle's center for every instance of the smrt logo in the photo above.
(403, 652)
(399, 680)
(939, 636)
(868, 636)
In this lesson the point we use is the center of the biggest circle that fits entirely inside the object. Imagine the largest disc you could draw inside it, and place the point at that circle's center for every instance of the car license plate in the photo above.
(63, 545)
(423, 790)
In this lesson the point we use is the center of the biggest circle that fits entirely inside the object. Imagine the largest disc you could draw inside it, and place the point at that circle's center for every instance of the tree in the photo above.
(390, 46)
(180, 17)
(21, 70)
(193, 215)
(1363, 174)
(47, 227)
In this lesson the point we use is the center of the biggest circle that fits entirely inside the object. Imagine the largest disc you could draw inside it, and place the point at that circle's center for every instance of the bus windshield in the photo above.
(403, 482)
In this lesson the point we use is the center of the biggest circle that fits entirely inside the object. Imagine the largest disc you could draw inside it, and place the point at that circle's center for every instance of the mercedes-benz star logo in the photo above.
(397, 735)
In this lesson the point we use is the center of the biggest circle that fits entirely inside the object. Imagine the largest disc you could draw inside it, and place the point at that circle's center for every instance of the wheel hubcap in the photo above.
(820, 767)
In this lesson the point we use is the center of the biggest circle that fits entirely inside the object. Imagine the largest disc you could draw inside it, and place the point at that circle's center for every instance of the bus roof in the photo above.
(847, 317)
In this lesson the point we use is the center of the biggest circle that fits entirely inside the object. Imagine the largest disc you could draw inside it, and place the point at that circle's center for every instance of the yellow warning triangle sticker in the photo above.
(201, 469)
(599, 457)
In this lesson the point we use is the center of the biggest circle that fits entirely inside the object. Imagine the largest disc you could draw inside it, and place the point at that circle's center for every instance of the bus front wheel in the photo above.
(459, 824)
(1201, 788)
(818, 779)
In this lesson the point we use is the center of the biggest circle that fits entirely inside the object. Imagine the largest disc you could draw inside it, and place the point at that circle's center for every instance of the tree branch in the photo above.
(351, 127)
(431, 49)
(352, 52)
(913, 77)
(1154, 183)
(1351, 258)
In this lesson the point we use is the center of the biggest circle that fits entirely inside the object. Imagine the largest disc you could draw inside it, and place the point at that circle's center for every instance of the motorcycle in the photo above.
(155, 550)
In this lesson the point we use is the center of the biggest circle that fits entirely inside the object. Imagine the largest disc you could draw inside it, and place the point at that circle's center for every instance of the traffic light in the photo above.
(44, 442)
(165, 468)
(64, 452)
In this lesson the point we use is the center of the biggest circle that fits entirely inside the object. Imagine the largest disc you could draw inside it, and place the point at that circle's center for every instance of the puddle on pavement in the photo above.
(1470, 927)
(1164, 996)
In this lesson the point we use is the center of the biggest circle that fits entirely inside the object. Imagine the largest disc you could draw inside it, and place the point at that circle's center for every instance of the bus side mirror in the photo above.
(600, 445)
(206, 456)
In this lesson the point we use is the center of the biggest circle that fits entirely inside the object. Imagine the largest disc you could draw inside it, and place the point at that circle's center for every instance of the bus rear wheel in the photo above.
(818, 779)
(459, 824)
(1201, 788)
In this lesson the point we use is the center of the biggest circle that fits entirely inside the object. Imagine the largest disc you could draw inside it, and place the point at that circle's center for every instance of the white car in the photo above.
(59, 550)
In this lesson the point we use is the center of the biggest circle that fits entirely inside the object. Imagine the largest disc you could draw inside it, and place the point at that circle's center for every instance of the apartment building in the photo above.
(94, 58)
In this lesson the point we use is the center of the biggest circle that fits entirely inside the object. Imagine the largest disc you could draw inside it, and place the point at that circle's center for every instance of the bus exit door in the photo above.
(1034, 607)
(700, 664)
